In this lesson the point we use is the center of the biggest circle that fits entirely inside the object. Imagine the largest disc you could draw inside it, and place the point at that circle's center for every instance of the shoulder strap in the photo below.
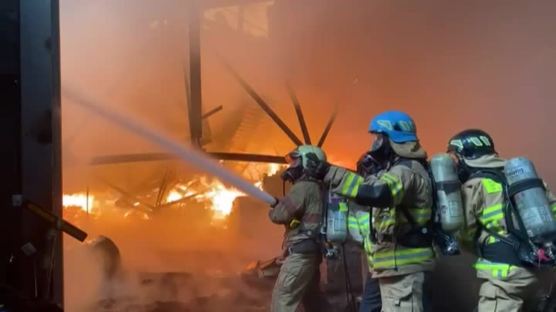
(497, 175)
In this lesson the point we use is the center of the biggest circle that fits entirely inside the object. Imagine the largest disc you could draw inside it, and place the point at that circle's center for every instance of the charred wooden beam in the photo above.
(195, 90)
(130, 158)
(248, 157)
(300, 116)
(327, 129)
(212, 111)
(265, 107)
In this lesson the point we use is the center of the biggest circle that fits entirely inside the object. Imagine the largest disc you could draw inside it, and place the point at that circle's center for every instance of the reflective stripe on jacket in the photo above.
(409, 188)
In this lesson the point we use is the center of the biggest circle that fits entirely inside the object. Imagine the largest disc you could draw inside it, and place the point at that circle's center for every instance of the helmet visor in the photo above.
(377, 141)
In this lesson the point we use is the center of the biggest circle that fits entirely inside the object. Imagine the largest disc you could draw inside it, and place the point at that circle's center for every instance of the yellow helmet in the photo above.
(300, 155)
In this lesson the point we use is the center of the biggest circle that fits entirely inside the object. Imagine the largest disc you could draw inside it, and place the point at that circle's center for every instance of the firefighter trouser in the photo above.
(508, 291)
(371, 302)
(403, 293)
(298, 282)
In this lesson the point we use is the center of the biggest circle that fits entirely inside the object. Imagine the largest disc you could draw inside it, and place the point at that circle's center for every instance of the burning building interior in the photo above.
(99, 215)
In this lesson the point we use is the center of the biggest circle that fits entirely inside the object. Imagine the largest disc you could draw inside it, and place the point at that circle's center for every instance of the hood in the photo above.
(412, 150)
(486, 161)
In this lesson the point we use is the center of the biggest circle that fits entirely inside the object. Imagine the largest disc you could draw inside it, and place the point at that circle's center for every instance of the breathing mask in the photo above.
(295, 167)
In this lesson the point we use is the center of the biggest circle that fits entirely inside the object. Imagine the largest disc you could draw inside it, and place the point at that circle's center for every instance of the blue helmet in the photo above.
(399, 126)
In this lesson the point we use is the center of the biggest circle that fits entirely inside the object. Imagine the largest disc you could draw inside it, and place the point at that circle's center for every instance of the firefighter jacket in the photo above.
(300, 211)
(484, 203)
(404, 186)
(359, 222)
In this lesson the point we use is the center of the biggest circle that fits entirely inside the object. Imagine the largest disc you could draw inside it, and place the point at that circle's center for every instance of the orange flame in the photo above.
(213, 193)
(79, 200)
(221, 199)
(173, 196)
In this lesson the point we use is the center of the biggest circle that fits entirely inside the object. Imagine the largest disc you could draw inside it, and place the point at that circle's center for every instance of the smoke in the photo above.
(450, 64)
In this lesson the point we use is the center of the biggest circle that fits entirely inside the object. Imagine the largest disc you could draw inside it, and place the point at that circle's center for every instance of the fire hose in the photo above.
(186, 154)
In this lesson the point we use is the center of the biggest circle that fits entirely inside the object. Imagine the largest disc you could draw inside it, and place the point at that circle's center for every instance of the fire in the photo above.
(173, 196)
(218, 198)
(180, 191)
(257, 172)
(273, 169)
(221, 199)
(210, 192)
(80, 200)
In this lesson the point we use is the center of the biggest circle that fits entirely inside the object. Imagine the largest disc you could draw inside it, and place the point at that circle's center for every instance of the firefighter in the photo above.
(359, 222)
(301, 212)
(400, 248)
(506, 281)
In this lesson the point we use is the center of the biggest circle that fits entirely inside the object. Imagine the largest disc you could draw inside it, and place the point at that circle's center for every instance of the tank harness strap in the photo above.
(306, 246)
(497, 175)
(507, 249)
(525, 185)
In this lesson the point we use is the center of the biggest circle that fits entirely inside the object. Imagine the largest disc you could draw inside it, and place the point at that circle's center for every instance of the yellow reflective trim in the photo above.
(364, 222)
(347, 183)
(351, 184)
(391, 259)
(491, 186)
(364, 218)
(492, 209)
(358, 182)
(492, 240)
(393, 183)
(492, 213)
(343, 206)
(499, 270)
(392, 180)
(294, 223)
(386, 222)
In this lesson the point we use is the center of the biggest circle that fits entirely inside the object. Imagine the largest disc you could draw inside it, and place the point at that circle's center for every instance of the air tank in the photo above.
(530, 199)
(336, 219)
(448, 192)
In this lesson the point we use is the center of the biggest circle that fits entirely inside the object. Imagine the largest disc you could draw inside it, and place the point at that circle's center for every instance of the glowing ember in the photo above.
(79, 200)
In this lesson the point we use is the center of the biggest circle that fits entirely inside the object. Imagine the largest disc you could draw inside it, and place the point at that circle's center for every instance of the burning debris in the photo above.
(200, 265)
(210, 192)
